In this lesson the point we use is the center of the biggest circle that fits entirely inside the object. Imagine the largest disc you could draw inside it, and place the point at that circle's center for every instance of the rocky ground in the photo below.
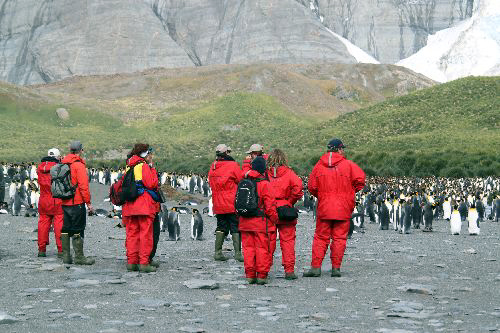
(422, 282)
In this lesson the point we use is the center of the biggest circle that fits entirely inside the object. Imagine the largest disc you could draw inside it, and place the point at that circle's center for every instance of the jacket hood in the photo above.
(71, 158)
(277, 172)
(331, 159)
(219, 162)
(254, 174)
(134, 160)
(47, 163)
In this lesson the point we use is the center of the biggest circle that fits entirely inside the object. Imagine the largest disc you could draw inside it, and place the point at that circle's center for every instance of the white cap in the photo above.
(54, 152)
(254, 148)
(222, 148)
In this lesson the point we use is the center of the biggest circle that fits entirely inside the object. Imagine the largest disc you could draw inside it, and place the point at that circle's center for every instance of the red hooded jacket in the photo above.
(287, 187)
(335, 181)
(47, 204)
(80, 178)
(144, 204)
(267, 204)
(224, 176)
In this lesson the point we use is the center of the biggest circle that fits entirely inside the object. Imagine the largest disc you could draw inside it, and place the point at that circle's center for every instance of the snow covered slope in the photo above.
(472, 47)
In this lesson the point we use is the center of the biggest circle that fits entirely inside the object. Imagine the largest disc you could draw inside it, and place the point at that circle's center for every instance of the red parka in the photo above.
(47, 205)
(79, 177)
(287, 187)
(224, 176)
(267, 204)
(144, 204)
(335, 181)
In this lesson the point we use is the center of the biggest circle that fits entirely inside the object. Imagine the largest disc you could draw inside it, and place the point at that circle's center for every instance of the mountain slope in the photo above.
(472, 47)
(450, 129)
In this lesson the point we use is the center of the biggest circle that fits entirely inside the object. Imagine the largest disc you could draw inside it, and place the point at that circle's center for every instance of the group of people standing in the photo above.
(334, 181)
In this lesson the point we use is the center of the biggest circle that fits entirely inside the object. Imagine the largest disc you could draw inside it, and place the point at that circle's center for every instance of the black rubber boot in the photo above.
(237, 246)
(290, 276)
(80, 259)
(66, 249)
(219, 240)
(251, 280)
(313, 272)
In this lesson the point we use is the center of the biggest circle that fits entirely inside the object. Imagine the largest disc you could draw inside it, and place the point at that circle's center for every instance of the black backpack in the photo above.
(129, 191)
(247, 199)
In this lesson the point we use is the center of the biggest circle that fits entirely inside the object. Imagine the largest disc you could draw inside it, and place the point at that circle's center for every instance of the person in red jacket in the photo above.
(224, 176)
(254, 151)
(255, 230)
(334, 180)
(139, 214)
(287, 188)
(75, 214)
(49, 209)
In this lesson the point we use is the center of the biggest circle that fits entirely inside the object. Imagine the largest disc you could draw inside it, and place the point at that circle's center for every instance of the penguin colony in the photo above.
(403, 204)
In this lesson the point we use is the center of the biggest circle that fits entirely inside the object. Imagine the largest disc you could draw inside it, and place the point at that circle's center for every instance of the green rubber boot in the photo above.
(147, 269)
(80, 259)
(42, 254)
(237, 246)
(313, 272)
(66, 249)
(219, 240)
(155, 264)
(290, 276)
(252, 280)
(262, 281)
(132, 267)
(336, 272)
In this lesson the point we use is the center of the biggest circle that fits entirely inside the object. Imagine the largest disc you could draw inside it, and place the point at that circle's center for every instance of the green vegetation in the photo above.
(450, 130)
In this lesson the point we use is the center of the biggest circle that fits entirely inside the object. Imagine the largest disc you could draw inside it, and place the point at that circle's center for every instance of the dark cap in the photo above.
(75, 146)
(259, 164)
(335, 144)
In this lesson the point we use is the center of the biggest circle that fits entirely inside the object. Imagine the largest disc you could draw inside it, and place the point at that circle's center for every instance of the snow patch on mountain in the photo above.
(471, 47)
(360, 55)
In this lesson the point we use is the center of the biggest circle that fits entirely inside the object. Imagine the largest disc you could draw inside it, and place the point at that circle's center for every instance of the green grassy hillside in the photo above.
(450, 129)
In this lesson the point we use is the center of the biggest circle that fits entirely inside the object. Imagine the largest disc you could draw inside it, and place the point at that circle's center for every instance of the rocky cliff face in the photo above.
(389, 30)
(48, 40)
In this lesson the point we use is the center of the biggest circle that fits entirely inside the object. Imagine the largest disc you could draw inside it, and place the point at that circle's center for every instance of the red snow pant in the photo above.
(287, 245)
(44, 222)
(139, 238)
(326, 230)
(256, 254)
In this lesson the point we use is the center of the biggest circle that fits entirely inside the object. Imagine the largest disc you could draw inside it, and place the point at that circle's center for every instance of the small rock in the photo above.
(115, 281)
(62, 113)
(81, 283)
(77, 316)
(267, 313)
(52, 267)
(27, 307)
(6, 319)
(201, 284)
(224, 297)
(151, 303)
(470, 251)
(189, 329)
(319, 316)
(331, 290)
(56, 311)
(418, 289)
(58, 290)
(90, 306)
(134, 323)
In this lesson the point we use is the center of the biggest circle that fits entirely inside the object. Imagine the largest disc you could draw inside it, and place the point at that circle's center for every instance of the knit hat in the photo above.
(259, 164)
(75, 146)
(335, 144)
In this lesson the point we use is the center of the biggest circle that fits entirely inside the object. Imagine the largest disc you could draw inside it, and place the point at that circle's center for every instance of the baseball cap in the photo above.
(254, 148)
(229, 149)
(335, 143)
(54, 152)
(75, 146)
(222, 148)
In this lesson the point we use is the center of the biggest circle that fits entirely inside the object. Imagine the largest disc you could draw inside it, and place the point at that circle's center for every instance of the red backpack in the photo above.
(115, 193)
